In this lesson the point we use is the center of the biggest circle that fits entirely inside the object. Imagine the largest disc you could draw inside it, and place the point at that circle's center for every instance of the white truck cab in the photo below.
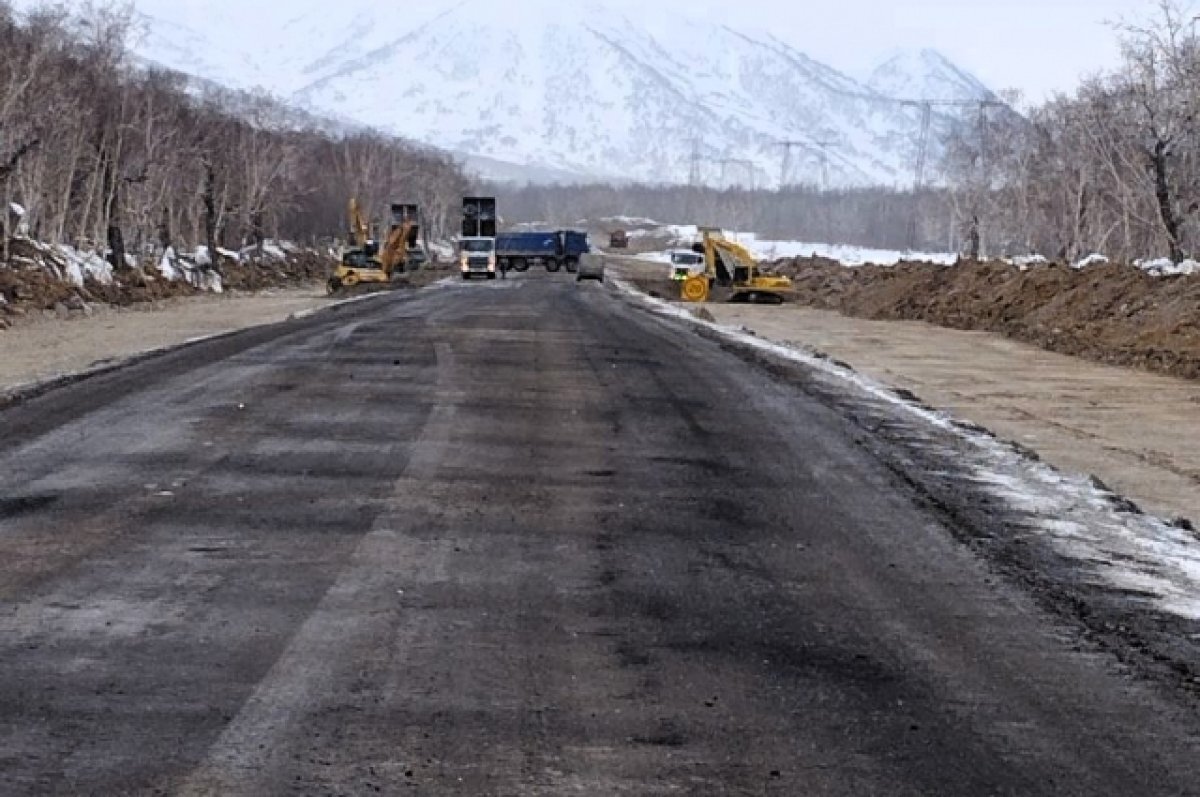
(477, 256)
(685, 263)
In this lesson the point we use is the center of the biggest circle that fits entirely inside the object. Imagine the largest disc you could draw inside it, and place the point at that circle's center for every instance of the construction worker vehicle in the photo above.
(731, 274)
(366, 264)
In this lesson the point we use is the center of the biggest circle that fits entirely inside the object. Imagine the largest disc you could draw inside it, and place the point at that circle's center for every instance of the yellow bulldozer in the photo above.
(731, 274)
(365, 263)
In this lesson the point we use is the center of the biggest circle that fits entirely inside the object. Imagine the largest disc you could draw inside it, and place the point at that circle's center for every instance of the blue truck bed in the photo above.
(552, 248)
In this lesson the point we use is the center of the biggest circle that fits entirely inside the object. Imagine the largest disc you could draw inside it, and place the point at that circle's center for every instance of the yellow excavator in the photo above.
(731, 274)
(364, 263)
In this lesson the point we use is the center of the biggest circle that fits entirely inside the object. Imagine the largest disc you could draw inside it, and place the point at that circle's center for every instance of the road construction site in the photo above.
(534, 536)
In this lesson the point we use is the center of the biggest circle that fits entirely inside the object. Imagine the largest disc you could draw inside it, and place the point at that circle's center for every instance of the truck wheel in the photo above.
(520, 264)
(466, 277)
(572, 266)
(553, 265)
(491, 275)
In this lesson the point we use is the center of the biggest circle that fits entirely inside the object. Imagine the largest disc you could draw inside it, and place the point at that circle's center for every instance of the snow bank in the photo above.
(198, 275)
(632, 221)
(682, 235)
(1165, 267)
(80, 266)
(1095, 259)
(845, 254)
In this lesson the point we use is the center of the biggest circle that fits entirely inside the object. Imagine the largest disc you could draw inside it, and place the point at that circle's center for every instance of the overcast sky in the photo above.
(1038, 46)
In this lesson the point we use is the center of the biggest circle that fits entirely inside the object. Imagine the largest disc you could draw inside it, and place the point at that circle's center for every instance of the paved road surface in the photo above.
(515, 539)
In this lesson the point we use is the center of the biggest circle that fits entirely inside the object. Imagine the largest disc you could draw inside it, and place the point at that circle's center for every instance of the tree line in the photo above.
(878, 217)
(107, 155)
(1113, 167)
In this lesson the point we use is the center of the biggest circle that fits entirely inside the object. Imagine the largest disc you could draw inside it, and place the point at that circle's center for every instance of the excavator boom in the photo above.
(731, 266)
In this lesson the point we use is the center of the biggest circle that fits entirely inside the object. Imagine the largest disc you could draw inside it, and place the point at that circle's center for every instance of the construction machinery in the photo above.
(368, 264)
(731, 274)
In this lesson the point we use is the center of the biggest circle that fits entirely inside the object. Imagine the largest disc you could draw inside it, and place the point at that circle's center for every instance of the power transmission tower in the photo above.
(694, 167)
(922, 162)
(824, 156)
(725, 163)
(785, 168)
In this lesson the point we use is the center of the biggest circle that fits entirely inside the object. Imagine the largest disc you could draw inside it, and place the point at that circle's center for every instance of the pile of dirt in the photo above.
(31, 283)
(1109, 313)
(255, 275)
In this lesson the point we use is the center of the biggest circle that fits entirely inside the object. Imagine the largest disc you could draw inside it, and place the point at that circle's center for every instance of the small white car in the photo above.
(591, 267)
(685, 263)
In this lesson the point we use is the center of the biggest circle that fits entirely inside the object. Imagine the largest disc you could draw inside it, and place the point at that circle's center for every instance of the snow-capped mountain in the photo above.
(925, 75)
(571, 88)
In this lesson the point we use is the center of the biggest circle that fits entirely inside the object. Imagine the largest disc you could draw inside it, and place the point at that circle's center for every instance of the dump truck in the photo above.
(477, 244)
(555, 250)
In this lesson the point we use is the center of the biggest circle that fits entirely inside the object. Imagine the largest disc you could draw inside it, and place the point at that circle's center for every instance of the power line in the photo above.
(922, 161)
(785, 167)
(694, 166)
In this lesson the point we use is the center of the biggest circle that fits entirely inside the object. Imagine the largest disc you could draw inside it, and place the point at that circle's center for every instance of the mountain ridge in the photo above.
(588, 89)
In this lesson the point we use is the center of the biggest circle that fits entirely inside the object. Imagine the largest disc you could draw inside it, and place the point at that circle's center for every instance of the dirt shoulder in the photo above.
(1135, 431)
(1114, 314)
(1002, 368)
(43, 347)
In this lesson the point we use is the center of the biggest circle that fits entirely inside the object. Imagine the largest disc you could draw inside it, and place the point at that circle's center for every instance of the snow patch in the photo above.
(768, 250)
(1165, 267)
(1095, 259)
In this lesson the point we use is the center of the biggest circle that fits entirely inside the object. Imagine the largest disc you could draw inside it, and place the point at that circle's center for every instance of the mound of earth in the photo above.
(29, 284)
(1109, 313)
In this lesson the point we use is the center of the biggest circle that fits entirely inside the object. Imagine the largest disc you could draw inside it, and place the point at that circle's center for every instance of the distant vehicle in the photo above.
(477, 246)
(591, 267)
(553, 249)
(685, 263)
(477, 257)
(618, 240)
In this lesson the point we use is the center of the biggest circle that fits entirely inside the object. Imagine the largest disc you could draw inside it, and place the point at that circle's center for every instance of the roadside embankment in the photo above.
(1113, 314)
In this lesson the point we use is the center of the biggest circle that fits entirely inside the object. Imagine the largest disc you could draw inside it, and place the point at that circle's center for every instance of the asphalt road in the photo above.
(516, 538)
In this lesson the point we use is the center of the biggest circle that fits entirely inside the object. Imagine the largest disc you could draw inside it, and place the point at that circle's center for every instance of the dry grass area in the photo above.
(42, 347)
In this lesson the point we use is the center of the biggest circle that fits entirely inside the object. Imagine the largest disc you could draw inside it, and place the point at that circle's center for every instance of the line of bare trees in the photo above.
(878, 217)
(1112, 168)
(110, 156)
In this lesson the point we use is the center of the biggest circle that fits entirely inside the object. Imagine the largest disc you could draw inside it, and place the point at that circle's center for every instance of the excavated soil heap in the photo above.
(1110, 313)
(29, 285)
